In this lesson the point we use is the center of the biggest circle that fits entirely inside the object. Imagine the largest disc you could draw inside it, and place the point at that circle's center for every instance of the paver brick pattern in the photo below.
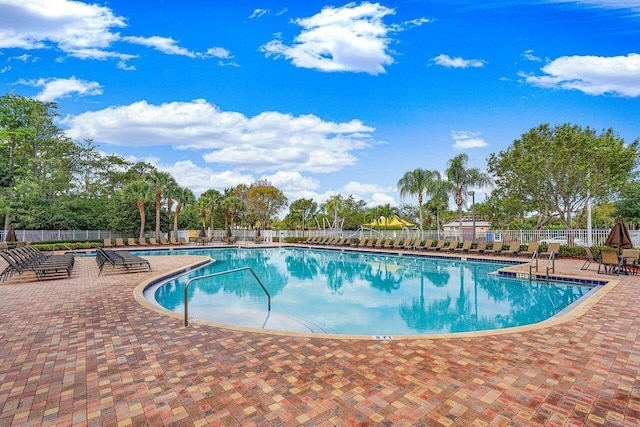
(82, 351)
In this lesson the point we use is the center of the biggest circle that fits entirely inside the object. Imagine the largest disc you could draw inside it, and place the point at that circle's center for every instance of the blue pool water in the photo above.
(326, 291)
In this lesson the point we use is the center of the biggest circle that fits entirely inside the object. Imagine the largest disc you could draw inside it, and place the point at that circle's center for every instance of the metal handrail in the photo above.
(533, 257)
(552, 261)
(186, 289)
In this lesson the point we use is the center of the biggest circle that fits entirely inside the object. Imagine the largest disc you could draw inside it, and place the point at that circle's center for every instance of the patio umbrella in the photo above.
(619, 236)
(11, 235)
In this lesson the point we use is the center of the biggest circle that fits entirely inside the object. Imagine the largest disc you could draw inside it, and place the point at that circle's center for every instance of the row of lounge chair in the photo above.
(29, 258)
(514, 248)
(119, 260)
(118, 242)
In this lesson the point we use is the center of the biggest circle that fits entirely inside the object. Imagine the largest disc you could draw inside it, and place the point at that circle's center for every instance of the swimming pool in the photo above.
(346, 292)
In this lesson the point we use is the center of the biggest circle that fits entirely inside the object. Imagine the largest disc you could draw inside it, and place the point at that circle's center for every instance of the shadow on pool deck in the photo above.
(83, 351)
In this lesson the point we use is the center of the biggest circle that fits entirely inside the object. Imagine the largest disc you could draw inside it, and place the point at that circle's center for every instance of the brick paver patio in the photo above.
(83, 351)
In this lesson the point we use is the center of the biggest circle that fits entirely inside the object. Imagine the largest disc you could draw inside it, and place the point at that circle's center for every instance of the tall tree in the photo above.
(230, 205)
(160, 182)
(37, 161)
(416, 183)
(207, 202)
(138, 191)
(183, 197)
(554, 171)
(263, 201)
(461, 178)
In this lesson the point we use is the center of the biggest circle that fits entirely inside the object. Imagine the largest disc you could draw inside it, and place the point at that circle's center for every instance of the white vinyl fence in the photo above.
(579, 236)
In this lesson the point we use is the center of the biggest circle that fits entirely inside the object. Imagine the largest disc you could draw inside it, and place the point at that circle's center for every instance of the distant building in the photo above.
(452, 229)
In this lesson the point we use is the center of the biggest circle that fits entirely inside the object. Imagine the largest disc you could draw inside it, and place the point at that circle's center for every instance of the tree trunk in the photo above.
(158, 196)
(140, 204)
(175, 220)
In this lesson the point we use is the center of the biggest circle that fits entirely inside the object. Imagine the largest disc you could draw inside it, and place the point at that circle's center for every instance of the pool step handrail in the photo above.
(551, 264)
(534, 257)
(208, 276)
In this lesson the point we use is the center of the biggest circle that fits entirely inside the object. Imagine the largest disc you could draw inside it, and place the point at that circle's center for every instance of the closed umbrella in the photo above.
(619, 236)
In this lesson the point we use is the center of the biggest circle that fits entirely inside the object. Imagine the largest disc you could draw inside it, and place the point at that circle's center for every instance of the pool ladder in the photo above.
(551, 265)
(221, 273)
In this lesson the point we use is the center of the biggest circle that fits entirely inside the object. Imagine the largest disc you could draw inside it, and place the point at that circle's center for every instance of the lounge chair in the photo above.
(405, 245)
(532, 247)
(439, 245)
(126, 260)
(590, 259)
(183, 241)
(143, 242)
(381, 243)
(630, 260)
(28, 258)
(119, 241)
(514, 249)
(153, 241)
(610, 263)
(425, 245)
(552, 248)
(496, 249)
(451, 246)
(479, 249)
(389, 244)
(360, 243)
(466, 246)
(173, 241)
(164, 241)
(107, 243)
(131, 241)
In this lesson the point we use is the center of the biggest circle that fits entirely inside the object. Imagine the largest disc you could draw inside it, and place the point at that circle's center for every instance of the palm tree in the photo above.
(230, 205)
(439, 190)
(160, 182)
(184, 197)
(139, 191)
(387, 212)
(461, 178)
(207, 203)
(416, 183)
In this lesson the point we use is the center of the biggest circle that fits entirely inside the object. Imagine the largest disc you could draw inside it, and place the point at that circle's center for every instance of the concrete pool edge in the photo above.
(580, 309)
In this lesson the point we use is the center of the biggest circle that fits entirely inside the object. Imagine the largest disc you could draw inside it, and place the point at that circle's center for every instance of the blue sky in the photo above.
(321, 97)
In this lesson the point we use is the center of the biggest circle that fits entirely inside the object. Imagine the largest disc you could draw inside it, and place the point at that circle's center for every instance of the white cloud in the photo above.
(361, 189)
(80, 30)
(5, 69)
(219, 52)
(165, 45)
(71, 26)
(456, 62)
(267, 142)
(258, 13)
(464, 140)
(200, 179)
(349, 38)
(529, 56)
(61, 88)
(593, 75)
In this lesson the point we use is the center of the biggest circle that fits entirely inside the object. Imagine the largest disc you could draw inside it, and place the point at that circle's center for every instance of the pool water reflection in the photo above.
(368, 294)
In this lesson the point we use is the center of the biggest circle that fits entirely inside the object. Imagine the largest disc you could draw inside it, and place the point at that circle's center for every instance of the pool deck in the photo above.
(84, 351)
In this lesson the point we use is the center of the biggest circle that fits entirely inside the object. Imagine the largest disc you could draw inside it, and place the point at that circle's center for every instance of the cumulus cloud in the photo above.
(267, 142)
(80, 30)
(464, 140)
(349, 38)
(70, 25)
(456, 62)
(60, 88)
(200, 179)
(593, 75)
(606, 4)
